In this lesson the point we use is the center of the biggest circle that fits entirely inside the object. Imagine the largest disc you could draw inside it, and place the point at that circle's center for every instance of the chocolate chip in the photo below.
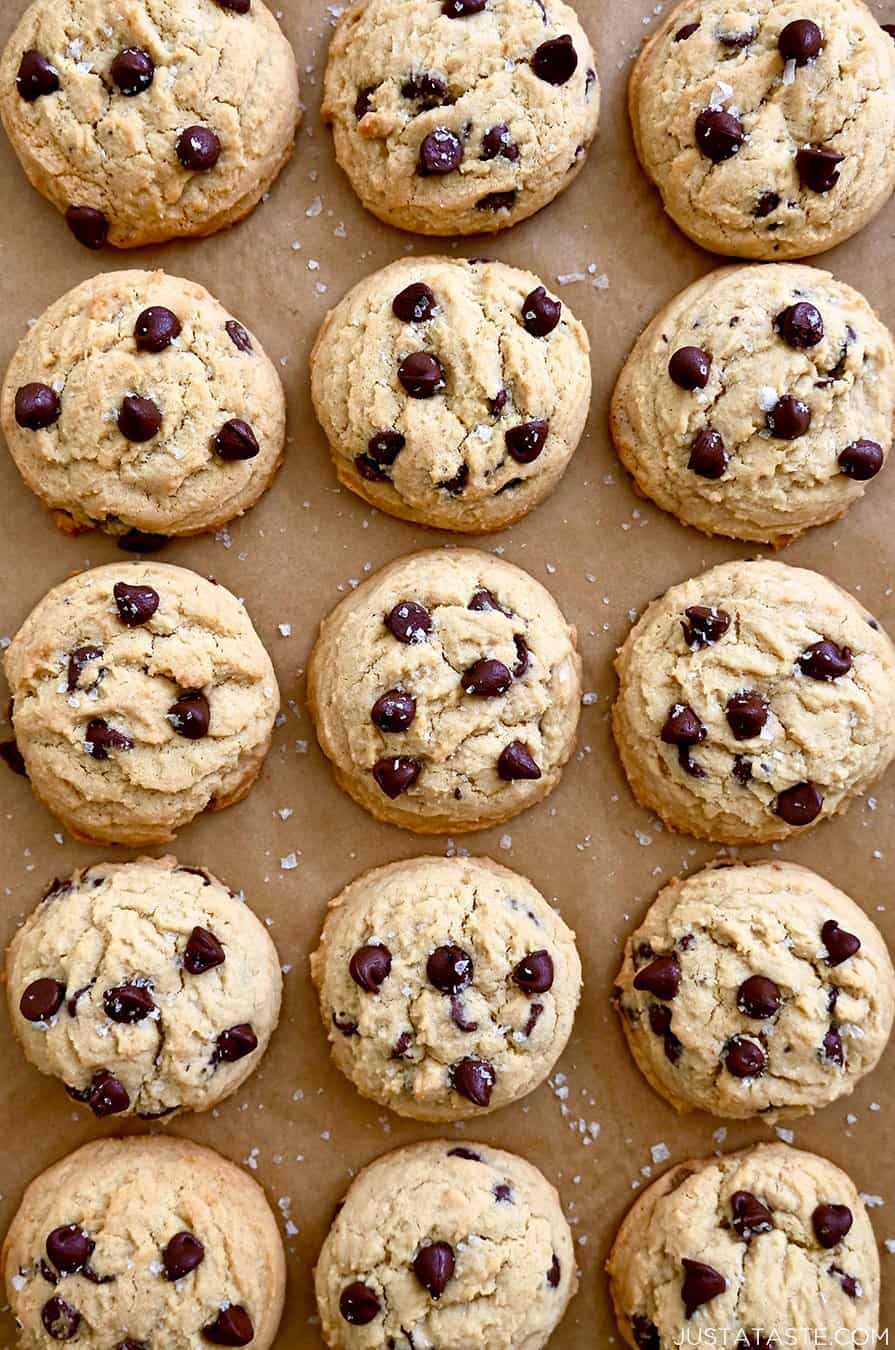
(483, 601)
(474, 1079)
(136, 604)
(128, 1003)
(704, 625)
(449, 969)
(396, 775)
(401, 1045)
(369, 470)
(800, 325)
(235, 1043)
(433, 1266)
(100, 738)
(516, 762)
(661, 977)
(139, 419)
(456, 484)
(198, 149)
(534, 1014)
(133, 70)
(689, 367)
(369, 966)
(183, 1253)
(534, 973)
(766, 205)
(41, 1000)
(69, 1248)
(708, 455)
(36, 77)
(462, 9)
(415, 303)
(701, 1284)
(686, 32)
(346, 1025)
(521, 665)
(832, 1048)
(107, 1095)
(526, 441)
(719, 134)
(88, 225)
(750, 1216)
(744, 1058)
(825, 660)
(889, 28)
(37, 406)
(503, 1193)
(759, 997)
(465, 1153)
(839, 943)
(393, 711)
(737, 40)
(540, 312)
(238, 336)
(363, 100)
(831, 1223)
(497, 404)
(421, 374)
(235, 6)
(190, 716)
(800, 41)
(486, 678)
(232, 1326)
(440, 153)
(409, 622)
(850, 1285)
(236, 440)
(818, 169)
(747, 714)
(556, 60)
(156, 328)
(498, 143)
(861, 460)
(60, 1319)
(682, 726)
(358, 1304)
(497, 201)
(138, 541)
(800, 804)
(789, 418)
(80, 657)
(203, 952)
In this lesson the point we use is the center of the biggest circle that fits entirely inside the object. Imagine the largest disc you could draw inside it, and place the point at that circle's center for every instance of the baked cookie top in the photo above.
(758, 1242)
(141, 696)
(453, 393)
(768, 127)
(446, 691)
(446, 1244)
(144, 1241)
(136, 402)
(145, 120)
(448, 986)
(755, 990)
(754, 700)
(759, 402)
(460, 116)
(146, 987)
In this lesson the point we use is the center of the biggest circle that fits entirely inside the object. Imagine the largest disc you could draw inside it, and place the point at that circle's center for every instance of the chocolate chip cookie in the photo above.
(142, 695)
(457, 116)
(144, 1241)
(147, 987)
(769, 1244)
(446, 1244)
(150, 120)
(448, 986)
(755, 990)
(453, 393)
(759, 402)
(137, 404)
(446, 691)
(768, 128)
(754, 701)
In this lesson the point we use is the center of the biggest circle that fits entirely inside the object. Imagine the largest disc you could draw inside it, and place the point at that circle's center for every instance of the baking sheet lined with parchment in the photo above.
(597, 1130)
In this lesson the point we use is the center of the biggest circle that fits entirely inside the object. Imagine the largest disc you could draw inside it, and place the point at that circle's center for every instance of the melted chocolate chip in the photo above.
(682, 726)
(61, 1321)
(474, 1079)
(850, 1285)
(429, 90)
(139, 419)
(522, 655)
(540, 312)
(440, 152)
(556, 60)
(88, 225)
(483, 601)
(69, 1248)
(686, 31)
(759, 997)
(396, 775)
(861, 460)
(534, 973)
(235, 1043)
(238, 336)
(789, 418)
(840, 944)
(701, 1284)
(37, 406)
(383, 447)
(363, 101)
(415, 304)
(498, 143)
(818, 169)
(422, 375)
(689, 367)
(708, 454)
(766, 205)
(236, 440)
(36, 77)
(719, 134)
(462, 9)
(750, 1216)
(79, 658)
(136, 604)
(100, 738)
(232, 1326)
(662, 977)
(183, 1253)
(346, 1025)
(526, 441)
(41, 1000)
(497, 201)
(203, 952)
(449, 969)
(107, 1095)
(516, 762)
(645, 1332)
(497, 404)
(744, 1058)
(370, 966)
(358, 1304)
(465, 1153)
(800, 804)
(401, 1045)
(433, 1265)
(825, 660)
(800, 41)
(128, 1003)
(737, 41)
(133, 71)
(704, 625)
(747, 714)
(156, 328)
(486, 678)
(554, 1274)
(534, 1014)
(832, 1048)
(190, 716)
(801, 325)
(831, 1223)
(198, 149)
(393, 711)
(409, 622)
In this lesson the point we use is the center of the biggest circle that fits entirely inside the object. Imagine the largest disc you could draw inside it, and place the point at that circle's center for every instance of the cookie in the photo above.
(768, 1244)
(452, 393)
(757, 990)
(754, 701)
(448, 986)
(446, 691)
(457, 117)
(448, 1245)
(142, 695)
(758, 403)
(767, 128)
(144, 1241)
(147, 987)
(136, 404)
(146, 120)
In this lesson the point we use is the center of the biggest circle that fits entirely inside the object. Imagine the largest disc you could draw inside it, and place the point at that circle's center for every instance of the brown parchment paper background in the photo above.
(602, 552)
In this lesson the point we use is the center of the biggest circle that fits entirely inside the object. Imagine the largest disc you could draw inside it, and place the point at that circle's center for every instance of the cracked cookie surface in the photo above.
(730, 358)
(150, 973)
(753, 990)
(446, 691)
(136, 402)
(446, 1244)
(460, 117)
(754, 700)
(146, 120)
(142, 695)
(448, 986)
(768, 127)
(766, 1243)
(144, 1241)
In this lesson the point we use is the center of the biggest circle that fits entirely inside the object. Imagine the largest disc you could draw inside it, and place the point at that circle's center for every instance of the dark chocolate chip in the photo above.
(750, 1216)
(789, 418)
(100, 738)
(554, 1274)
(393, 711)
(415, 303)
(759, 997)
(198, 149)
(889, 28)
(440, 152)
(526, 441)
(346, 1025)
(69, 1248)
(235, 1043)
(107, 1095)
(861, 460)
(462, 9)
(203, 952)
(708, 455)
(747, 714)
(682, 726)
(60, 1319)
(37, 406)
(41, 1000)
(358, 1304)
(521, 665)
(516, 762)
(128, 1003)
(701, 1284)
(839, 943)
(156, 328)
(370, 966)
(235, 6)
(190, 716)
(363, 100)
(36, 76)
(556, 60)
(401, 1045)
(232, 1326)
(800, 325)
(689, 367)
(483, 601)
(385, 446)
(738, 41)
(744, 1058)
(456, 484)
(431, 91)
(831, 1223)
(236, 440)
(850, 1285)
(486, 678)
(139, 419)
(136, 604)
(800, 804)
(133, 71)
(503, 1193)
(498, 143)
(818, 169)
(88, 225)
(433, 1265)
(534, 1014)
(540, 312)
(825, 660)
(704, 625)
(449, 969)
(497, 404)
(832, 1049)
(800, 41)
(719, 134)
(465, 1153)
(534, 973)
(497, 201)
(396, 775)
(765, 205)
(183, 1253)
(661, 977)
(421, 374)
(686, 32)
(474, 1079)
(238, 336)
(409, 622)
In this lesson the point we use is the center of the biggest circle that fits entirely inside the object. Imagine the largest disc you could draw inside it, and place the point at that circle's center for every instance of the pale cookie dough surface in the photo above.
(87, 144)
(114, 974)
(496, 439)
(742, 321)
(756, 203)
(85, 348)
(770, 1282)
(510, 1254)
(124, 1200)
(812, 741)
(510, 138)
(732, 1002)
(461, 761)
(448, 986)
(99, 733)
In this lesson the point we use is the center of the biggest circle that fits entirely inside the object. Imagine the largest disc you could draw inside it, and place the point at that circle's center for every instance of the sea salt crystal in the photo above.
(288, 862)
